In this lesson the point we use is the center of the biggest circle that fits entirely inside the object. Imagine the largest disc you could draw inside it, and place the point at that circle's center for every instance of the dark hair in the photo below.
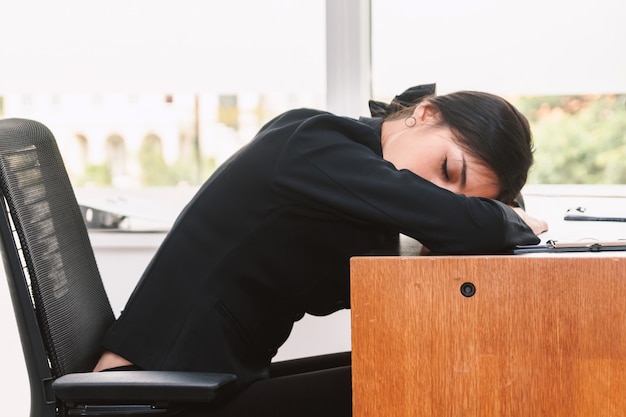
(494, 131)
(488, 127)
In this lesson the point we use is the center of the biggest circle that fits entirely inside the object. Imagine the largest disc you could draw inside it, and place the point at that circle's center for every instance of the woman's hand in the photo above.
(538, 226)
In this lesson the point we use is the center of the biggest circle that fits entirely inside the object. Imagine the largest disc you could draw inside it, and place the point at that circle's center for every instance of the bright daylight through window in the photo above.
(559, 62)
(147, 97)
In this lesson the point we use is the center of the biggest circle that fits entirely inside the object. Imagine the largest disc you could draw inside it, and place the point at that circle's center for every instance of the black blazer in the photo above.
(269, 236)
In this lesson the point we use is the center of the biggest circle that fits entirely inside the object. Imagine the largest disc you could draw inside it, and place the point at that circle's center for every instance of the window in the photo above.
(138, 67)
(559, 61)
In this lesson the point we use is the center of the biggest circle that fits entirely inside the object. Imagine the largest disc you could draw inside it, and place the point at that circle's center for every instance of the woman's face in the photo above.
(430, 151)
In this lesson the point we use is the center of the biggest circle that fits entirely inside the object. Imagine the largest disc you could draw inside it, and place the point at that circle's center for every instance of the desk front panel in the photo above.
(489, 336)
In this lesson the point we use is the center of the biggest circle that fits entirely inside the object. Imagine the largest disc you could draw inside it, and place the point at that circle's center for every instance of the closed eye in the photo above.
(463, 174)
(444, 169)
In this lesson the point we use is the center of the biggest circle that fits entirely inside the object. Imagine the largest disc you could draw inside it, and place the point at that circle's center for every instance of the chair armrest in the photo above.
(134, 387)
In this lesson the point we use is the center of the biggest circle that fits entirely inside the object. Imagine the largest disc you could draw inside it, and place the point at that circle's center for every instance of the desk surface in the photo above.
(538, 335)
(551, 204)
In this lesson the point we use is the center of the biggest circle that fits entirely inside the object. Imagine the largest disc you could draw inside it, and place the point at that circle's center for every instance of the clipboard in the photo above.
(553, 246)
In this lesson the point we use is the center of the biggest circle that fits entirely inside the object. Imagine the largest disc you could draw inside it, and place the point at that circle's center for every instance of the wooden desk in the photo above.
(541, 336)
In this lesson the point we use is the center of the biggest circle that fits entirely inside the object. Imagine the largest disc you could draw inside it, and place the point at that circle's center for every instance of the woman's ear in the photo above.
(426, 112)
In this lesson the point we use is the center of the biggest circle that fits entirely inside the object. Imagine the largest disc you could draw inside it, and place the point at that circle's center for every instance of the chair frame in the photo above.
(54, 392)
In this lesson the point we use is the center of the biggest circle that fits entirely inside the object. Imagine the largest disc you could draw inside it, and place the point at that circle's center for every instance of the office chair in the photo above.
(60, 303)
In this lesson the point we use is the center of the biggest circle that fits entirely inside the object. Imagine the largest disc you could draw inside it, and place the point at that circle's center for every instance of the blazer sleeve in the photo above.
(330, 162)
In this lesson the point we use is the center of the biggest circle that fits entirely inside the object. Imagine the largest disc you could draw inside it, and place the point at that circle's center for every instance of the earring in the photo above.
(410, 121)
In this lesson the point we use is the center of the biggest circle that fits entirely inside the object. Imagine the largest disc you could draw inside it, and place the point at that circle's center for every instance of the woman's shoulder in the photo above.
(290, 119)
(299, 115)
(308, 118)
(309, 130)
(306, 112)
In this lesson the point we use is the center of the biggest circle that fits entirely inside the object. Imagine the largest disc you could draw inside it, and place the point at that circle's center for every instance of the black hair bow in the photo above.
(408, 98)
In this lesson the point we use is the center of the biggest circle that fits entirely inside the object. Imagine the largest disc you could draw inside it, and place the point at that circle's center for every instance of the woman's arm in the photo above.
(538, 226)
(333, 164)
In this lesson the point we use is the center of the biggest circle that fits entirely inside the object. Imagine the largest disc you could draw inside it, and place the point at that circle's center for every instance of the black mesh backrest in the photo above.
(52, 243)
